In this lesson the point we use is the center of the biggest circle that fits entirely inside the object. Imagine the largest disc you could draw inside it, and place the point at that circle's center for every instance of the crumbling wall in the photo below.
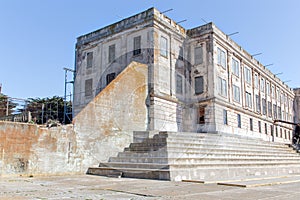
(27, 149)
(105, 126)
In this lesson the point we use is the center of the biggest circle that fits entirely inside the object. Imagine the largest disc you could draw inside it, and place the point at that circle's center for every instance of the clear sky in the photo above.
(37, 37)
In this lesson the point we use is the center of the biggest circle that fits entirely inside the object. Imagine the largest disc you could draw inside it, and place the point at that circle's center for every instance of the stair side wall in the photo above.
(105, 126)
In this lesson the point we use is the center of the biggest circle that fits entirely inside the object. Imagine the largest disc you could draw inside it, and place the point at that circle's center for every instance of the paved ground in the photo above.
(96, 187)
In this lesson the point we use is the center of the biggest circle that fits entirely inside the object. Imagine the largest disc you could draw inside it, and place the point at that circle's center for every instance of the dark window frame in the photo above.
(137, 43)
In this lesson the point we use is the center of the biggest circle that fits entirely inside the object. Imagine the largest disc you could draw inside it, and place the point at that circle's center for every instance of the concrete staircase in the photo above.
(201, 157)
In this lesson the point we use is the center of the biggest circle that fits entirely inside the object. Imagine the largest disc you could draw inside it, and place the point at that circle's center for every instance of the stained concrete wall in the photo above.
(28, 149)
(105, 126)
(102, 129)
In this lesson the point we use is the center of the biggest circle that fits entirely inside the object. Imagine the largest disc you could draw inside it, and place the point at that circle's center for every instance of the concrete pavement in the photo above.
(88, 187)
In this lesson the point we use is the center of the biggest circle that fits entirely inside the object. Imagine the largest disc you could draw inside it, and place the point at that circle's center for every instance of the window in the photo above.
(180, 55)
(279, 112)
(235, 67)
(273, 92)
(256, 81)
(262, 85)
(89, 60)
(247, 72)
(268, 89)
(276, 131)
(110, 77)
(88, 87)
(179, 84)
(248, 100)
(251, 124)
(201, 115)
(259, 126)
(222, 86)
(164, 46)
(137, 45)
(225, 117)
(269, 109)
(278, 95)
(111, 53)
(236, 93)
(222, 58)
(264, 106)
(239, 120)
(275, 111)
(198, 55)
(285, 137)
(266, 129)
(257, 98)
(199, 85)
(272, 130)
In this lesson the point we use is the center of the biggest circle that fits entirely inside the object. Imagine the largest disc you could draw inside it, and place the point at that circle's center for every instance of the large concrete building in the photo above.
(199, 80)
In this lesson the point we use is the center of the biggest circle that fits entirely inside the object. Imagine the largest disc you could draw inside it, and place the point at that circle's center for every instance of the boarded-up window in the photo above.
(88, 87)
(199, 85)
(179, 84)
(110, 77)
(137, 45)
(198, 54)
(163, 46)
(89, 60)
(201, 115)
(111, 53)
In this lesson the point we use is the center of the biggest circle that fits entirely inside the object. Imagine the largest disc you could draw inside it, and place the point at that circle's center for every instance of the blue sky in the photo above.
(37, 37)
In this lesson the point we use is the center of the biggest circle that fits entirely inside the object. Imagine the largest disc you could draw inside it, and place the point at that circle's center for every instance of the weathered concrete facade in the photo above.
(199, 80)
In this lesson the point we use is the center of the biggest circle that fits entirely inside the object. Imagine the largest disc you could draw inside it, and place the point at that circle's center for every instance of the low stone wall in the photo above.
(28, 149)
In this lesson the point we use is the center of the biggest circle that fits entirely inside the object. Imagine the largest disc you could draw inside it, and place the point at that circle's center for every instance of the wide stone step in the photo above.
(156, 144)
(221, 173)
(134, 165)
(193, 166)
(213, 136)
(221, 141)
(204, 159)
(188, 154)
(160, 174)
(209, 154)
(188, 146)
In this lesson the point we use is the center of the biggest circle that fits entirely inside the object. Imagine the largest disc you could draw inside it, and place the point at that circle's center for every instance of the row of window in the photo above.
(286, 135)
(88, 85)
(112, 52)
(263, 84)
(260, 102)
(198, 87)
